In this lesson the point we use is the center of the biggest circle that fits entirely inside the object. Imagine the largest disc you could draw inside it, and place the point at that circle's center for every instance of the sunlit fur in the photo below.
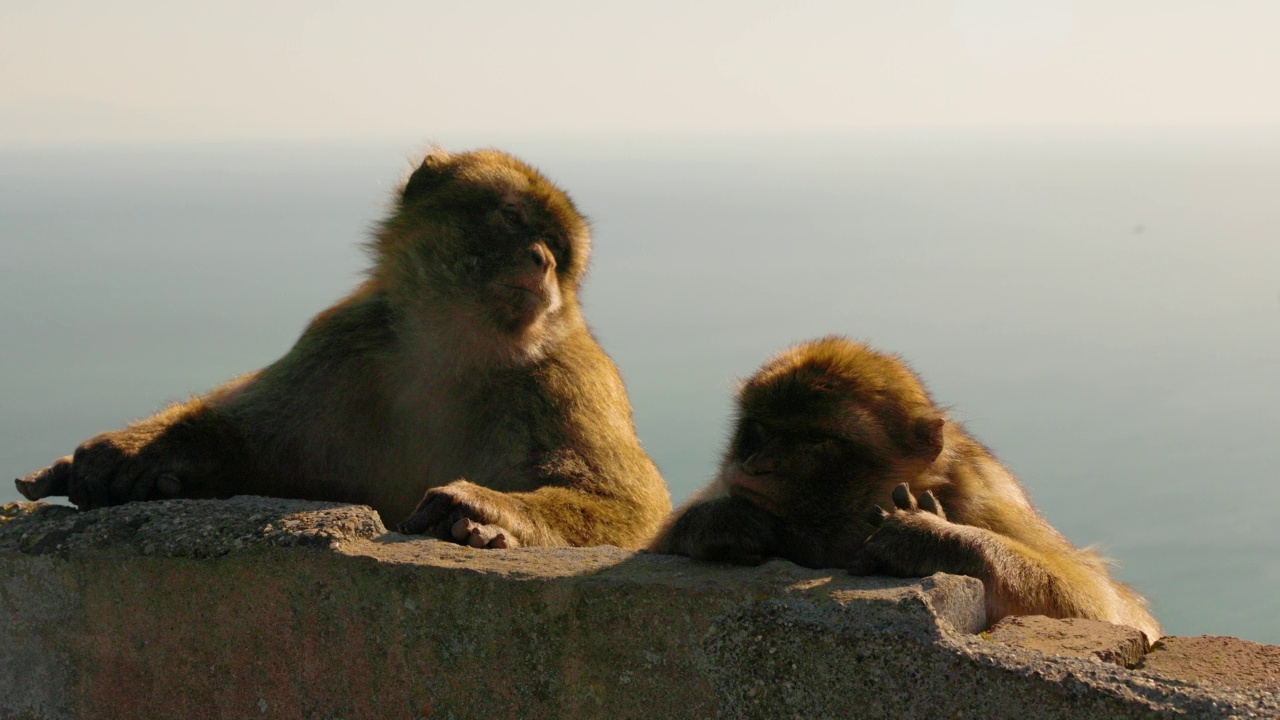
(824, 432)
(463, 358)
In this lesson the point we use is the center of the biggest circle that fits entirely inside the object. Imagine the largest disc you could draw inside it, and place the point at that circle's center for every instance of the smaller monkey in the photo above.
(828, 433)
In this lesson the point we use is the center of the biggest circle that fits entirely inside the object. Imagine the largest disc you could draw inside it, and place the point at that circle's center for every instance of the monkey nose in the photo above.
(758, 464)
(541, 257)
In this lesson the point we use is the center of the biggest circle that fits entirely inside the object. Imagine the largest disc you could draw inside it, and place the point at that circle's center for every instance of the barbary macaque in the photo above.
(839, 458)
(460, 368)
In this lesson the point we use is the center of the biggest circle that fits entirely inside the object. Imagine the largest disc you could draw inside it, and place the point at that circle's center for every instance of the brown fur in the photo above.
(828, 433)
(461, 367)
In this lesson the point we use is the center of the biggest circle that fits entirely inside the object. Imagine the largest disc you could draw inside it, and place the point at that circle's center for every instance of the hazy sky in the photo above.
(134, 70)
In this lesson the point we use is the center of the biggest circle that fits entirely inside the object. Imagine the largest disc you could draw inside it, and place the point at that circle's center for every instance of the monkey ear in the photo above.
(927, 433)
(433, 171)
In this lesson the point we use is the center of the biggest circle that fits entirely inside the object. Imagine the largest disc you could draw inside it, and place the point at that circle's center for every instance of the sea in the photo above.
(1101, 309)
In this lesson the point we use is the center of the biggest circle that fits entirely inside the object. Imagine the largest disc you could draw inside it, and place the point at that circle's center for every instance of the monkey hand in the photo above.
(467, 514)
(108, 469)
(729, 529)
(915, 540)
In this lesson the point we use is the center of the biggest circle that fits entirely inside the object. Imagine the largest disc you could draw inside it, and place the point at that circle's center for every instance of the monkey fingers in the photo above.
(460, 512)
(894, 554)
(151, 484)
(930, 503)
(46, 482)
(876, 516)
(729, 530)
(430, 515)
(903, 498)
(478, 535)
(102, 475)
(914, 542)
(905, 541)
(90, 490)
(906, 502)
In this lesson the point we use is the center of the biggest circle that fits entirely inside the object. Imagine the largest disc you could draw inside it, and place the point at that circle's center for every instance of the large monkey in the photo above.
(830, 432)
(461, 367)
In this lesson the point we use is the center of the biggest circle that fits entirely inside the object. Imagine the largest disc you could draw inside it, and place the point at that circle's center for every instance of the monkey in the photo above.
(827, 434)
(457, 389)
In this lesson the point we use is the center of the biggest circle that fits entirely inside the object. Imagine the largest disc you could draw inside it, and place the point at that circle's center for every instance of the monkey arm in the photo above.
(1061, 582)
(199, 448)
(189, 449)
(1058, 582)
(720, 529)
(552, 515)
(673, 534)
(595, 494)
(1020, 579)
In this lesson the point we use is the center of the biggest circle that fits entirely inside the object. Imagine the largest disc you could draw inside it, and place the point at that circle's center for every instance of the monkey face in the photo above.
(508, 267)
(825, 428)
(488, 239)
(797, 471)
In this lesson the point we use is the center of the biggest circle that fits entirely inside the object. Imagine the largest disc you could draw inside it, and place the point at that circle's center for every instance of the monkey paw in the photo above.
(730, 530)
(479, 535)
(464, 513)
(102, 473)
(912, 541)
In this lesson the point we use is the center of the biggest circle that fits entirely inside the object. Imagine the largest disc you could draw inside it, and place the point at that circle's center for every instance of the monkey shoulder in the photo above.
(362, 322)
(581, 381)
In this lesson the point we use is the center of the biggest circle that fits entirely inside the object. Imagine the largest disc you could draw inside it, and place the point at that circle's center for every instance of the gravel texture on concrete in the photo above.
(1217, 660)
(1072, 637)
(255, 607)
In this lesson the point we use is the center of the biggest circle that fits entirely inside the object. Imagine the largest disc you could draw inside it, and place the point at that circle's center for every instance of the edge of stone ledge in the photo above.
(184, 528)
(206, 529)
(785, 603)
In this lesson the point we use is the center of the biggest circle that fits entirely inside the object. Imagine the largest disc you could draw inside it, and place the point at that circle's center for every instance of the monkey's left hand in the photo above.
(467, 514)
(728, 529)
(915, 540)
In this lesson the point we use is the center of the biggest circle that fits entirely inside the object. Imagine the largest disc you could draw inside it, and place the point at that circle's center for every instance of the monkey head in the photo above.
(828, 427)
(484, 241)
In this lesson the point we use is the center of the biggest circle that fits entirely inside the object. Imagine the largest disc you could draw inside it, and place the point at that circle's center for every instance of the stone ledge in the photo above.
(1072, 637)
(255, 607)
(1227, 661)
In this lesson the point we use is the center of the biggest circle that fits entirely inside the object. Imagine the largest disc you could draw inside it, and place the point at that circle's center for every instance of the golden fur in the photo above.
(829, 432)
(461, 368)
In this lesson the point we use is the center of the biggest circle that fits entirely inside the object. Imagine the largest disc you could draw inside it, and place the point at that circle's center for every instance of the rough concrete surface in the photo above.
(1221, 660)
(1072, 637)
(254, 607)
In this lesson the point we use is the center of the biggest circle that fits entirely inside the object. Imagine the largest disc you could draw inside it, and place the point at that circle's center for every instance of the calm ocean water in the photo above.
(1104, 312)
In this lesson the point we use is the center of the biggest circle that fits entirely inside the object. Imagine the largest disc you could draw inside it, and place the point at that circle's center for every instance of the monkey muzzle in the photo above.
(524, 296)
(519, 290)
(763, 491)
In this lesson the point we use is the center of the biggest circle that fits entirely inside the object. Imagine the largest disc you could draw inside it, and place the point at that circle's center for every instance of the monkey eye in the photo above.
(753, 436)
(511, 214)
(816, 439)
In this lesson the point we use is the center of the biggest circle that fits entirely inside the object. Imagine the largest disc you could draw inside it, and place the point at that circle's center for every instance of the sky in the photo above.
(81, 72)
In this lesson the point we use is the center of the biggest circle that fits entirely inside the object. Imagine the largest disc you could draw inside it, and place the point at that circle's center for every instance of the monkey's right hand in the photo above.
(915, 540)
(727, 529)
(108, 469)
(467, 514)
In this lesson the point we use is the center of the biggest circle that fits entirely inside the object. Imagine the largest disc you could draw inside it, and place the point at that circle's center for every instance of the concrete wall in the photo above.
(255, 607)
